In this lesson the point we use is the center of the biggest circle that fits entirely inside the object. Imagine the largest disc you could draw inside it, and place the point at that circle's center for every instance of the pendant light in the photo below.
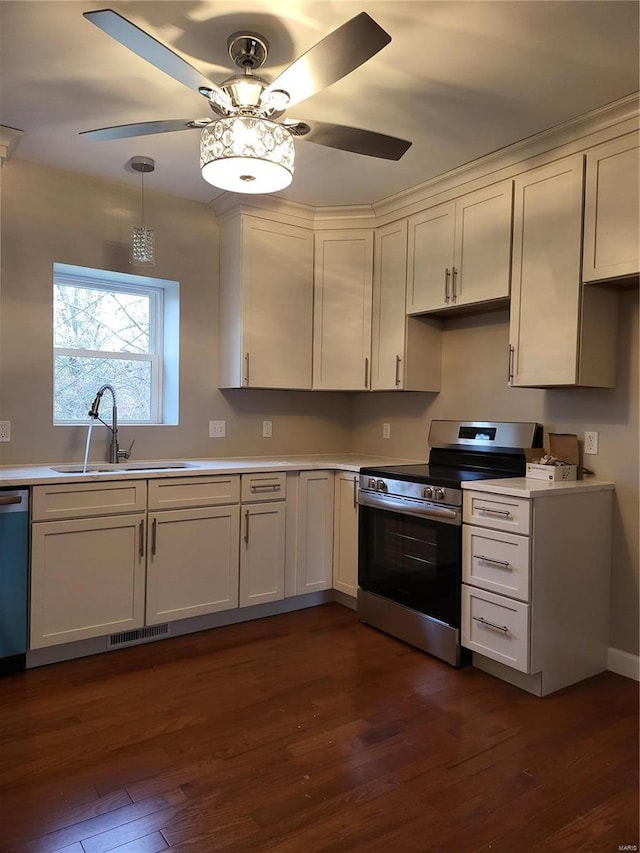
(142, 239)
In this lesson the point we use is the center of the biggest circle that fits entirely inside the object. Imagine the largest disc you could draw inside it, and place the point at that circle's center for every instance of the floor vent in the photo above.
(140, 635)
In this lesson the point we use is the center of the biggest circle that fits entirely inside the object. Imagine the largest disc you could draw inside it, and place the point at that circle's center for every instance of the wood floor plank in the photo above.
(309, 733)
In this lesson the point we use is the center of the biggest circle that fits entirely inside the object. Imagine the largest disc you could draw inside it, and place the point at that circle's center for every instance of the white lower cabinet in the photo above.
(536, 573)
(315, 531)
(262, 545)
(192, 563)
(87, 578)
(345, 536)
(262, 553)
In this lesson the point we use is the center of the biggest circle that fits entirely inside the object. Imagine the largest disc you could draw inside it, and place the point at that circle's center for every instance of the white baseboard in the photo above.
(624, 663)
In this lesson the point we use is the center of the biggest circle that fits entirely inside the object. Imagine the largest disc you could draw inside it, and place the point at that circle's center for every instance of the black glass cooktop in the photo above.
(441, 475)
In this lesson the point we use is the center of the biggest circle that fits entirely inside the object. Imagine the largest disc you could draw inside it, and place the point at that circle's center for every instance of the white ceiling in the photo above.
(459, 79)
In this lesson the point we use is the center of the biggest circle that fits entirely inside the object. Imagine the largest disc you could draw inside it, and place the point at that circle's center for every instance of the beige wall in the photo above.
(50, 215)
(474, 370)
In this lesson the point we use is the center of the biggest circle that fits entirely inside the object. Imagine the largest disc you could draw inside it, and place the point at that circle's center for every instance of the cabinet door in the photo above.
(315, 531)
(345, 543)
(482, 266)
(611, 228)
(193, 562)
(342, 310)
(545, 303)
(262, 553)
(389, 317)
(430, 258)
(87, 578)
(266, 304)
(405, 350)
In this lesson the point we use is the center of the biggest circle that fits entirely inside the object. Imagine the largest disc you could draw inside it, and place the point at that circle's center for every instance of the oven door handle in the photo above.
(406, 506)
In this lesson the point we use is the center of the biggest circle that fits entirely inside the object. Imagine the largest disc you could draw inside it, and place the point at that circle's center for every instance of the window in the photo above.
(118, 329)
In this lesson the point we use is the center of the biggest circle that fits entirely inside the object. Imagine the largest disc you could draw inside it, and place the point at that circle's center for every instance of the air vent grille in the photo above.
(139, 635)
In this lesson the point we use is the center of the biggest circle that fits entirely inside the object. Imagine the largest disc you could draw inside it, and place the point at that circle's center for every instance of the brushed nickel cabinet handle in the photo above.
(246, 369)
(398, 361)
(154, 536)
(246, 527)
(366, 373)
(510, 367)
(355, 493)
(447, 274)
(491, 511)
(504, 563)
(502, 628)
(454, 276)
(265, 487)
(141, 534)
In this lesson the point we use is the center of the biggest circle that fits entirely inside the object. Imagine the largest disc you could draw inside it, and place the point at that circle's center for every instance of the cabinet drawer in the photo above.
(496, 627)
(500, 512)
(83, 500)
(496, 561)
(179, 492)
(264, 487)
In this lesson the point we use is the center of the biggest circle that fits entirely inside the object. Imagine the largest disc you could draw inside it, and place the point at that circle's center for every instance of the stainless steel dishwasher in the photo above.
(14, 577)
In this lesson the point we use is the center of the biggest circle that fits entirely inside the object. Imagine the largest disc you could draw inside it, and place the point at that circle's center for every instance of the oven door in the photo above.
(409, 552)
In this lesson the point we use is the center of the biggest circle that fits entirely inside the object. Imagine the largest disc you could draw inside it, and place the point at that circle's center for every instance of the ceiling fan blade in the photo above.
(330, 59)
(149, 48)
(350, 139)
(144, 128)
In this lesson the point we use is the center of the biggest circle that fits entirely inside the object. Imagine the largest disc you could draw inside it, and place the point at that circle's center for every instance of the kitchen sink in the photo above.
(111, 468)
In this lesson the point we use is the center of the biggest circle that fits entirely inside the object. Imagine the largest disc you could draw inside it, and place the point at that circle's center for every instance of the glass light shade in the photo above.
(243, 154)
(142, 246)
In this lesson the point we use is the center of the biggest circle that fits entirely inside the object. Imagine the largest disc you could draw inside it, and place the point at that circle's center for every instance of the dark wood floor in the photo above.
(309, 732)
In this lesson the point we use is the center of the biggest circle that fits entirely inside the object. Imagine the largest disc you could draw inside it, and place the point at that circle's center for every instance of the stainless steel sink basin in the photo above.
(109, 468)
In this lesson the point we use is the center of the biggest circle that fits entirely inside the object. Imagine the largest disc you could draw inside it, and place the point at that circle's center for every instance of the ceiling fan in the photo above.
(247, 146)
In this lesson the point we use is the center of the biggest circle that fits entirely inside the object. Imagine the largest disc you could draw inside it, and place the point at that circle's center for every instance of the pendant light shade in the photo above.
(243, 154)
(142, 243)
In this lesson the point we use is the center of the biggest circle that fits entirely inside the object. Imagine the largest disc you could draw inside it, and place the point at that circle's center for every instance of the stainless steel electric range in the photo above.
(410, 530)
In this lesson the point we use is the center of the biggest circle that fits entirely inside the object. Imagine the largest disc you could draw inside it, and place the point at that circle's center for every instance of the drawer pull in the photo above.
(488, 509)
(266, 487)
(502, 628)
(355, 493)
(504, 563)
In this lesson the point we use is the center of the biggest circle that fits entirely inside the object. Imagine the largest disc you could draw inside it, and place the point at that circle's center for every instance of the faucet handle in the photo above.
(125, 454)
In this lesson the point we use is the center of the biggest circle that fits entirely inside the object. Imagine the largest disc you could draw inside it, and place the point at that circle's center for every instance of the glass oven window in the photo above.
(413, 561)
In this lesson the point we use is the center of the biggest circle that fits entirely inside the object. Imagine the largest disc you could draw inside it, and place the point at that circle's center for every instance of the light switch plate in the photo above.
(217, 429)
(386, 430)
(5, 430)
(267, 429)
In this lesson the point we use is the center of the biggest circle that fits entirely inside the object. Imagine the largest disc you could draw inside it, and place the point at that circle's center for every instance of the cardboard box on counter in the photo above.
(563, 446)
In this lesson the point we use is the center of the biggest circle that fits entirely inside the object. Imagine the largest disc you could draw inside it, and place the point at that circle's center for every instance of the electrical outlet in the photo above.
(267, 429)
(217, 429)
(591, 443)
(5, 430)
(386, 430)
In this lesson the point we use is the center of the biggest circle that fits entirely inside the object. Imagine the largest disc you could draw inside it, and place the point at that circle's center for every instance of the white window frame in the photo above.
(163, 335)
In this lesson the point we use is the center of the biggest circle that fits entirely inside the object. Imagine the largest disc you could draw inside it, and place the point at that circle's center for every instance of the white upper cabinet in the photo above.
(459, 252)
(405, 350)
(342, 310)
(611, 229)
(266, 304)
(561, 333)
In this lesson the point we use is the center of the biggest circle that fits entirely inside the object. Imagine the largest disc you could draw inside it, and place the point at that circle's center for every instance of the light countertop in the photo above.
(32, 475)
(526, 487)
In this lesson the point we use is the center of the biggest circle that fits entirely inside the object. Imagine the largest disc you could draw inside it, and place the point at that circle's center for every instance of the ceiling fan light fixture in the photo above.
(245, 154)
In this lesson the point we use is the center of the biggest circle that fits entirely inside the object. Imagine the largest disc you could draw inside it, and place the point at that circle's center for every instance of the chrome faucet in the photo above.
(115, 454)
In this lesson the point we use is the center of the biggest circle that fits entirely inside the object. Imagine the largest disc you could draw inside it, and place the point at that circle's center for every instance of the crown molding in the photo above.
(611, 120)
(9, 138)
(226, 205)
(346, 216)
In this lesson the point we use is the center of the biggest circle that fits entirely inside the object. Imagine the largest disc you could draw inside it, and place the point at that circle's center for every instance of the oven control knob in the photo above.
(428, 492)
(381, 486)
(372, 483)
(439, 494)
